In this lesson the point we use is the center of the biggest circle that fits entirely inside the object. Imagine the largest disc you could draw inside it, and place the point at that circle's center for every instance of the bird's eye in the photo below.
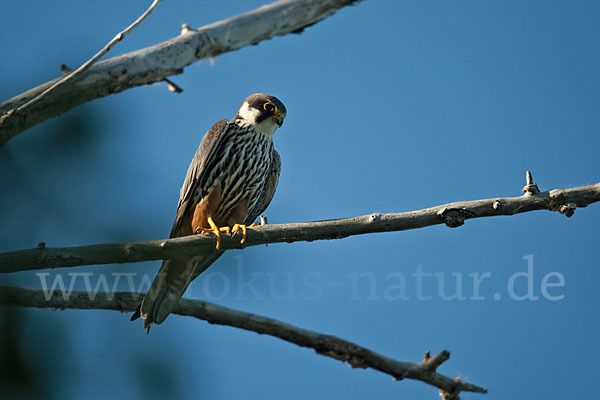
(269, 107)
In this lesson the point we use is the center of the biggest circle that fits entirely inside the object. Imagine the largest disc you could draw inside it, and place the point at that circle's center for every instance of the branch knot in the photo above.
(454, 394)
(530, 187)
(567, 209)
(455, 217)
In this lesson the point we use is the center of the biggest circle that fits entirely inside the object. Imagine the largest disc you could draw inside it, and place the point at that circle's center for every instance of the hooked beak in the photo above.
(278, 118)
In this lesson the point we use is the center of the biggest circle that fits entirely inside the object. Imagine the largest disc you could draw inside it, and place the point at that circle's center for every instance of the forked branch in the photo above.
(356, 356)
(453, 215)
(70, 75)
(155, 63)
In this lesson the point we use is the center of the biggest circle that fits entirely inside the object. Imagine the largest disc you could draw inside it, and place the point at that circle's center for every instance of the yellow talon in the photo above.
(214, 229)
(244, 229)
(240, 227)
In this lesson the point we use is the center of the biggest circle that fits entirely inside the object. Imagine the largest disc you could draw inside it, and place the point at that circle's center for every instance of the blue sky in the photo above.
(392, 106)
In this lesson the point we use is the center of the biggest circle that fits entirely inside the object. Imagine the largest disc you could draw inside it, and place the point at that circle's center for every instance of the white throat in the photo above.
(249, 115)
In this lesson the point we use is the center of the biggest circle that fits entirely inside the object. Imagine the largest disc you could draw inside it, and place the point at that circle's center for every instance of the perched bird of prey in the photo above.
(229, 183)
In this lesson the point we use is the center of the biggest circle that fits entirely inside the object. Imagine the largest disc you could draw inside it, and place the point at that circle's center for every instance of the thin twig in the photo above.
(356, 356)
(153, 64)
(74, 74)
(172, 86)
(453, 215)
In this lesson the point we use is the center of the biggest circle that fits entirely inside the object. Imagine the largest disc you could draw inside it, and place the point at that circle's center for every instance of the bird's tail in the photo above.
(169, 285)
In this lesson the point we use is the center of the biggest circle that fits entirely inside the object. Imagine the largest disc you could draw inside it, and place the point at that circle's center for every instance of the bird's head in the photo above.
(263, 111)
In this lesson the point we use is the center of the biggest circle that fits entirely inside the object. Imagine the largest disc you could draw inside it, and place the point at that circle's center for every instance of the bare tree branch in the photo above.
(453, 215)
(70, 75)
(356, 356)
(157, 62)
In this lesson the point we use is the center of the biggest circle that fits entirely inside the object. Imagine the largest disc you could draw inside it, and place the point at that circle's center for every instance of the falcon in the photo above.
(229, 183)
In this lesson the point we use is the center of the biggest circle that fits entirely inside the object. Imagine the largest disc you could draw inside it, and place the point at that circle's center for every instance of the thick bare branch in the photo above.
(157, 62)
(327, 345)
(453, 215)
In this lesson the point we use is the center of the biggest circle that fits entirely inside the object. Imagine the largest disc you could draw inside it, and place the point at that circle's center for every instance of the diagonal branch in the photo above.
(356, 356)
(453, 215)
(23, 109)
(157, 62)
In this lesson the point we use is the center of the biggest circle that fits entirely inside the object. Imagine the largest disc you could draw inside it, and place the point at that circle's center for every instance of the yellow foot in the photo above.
(214, 229)
(244, 229)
